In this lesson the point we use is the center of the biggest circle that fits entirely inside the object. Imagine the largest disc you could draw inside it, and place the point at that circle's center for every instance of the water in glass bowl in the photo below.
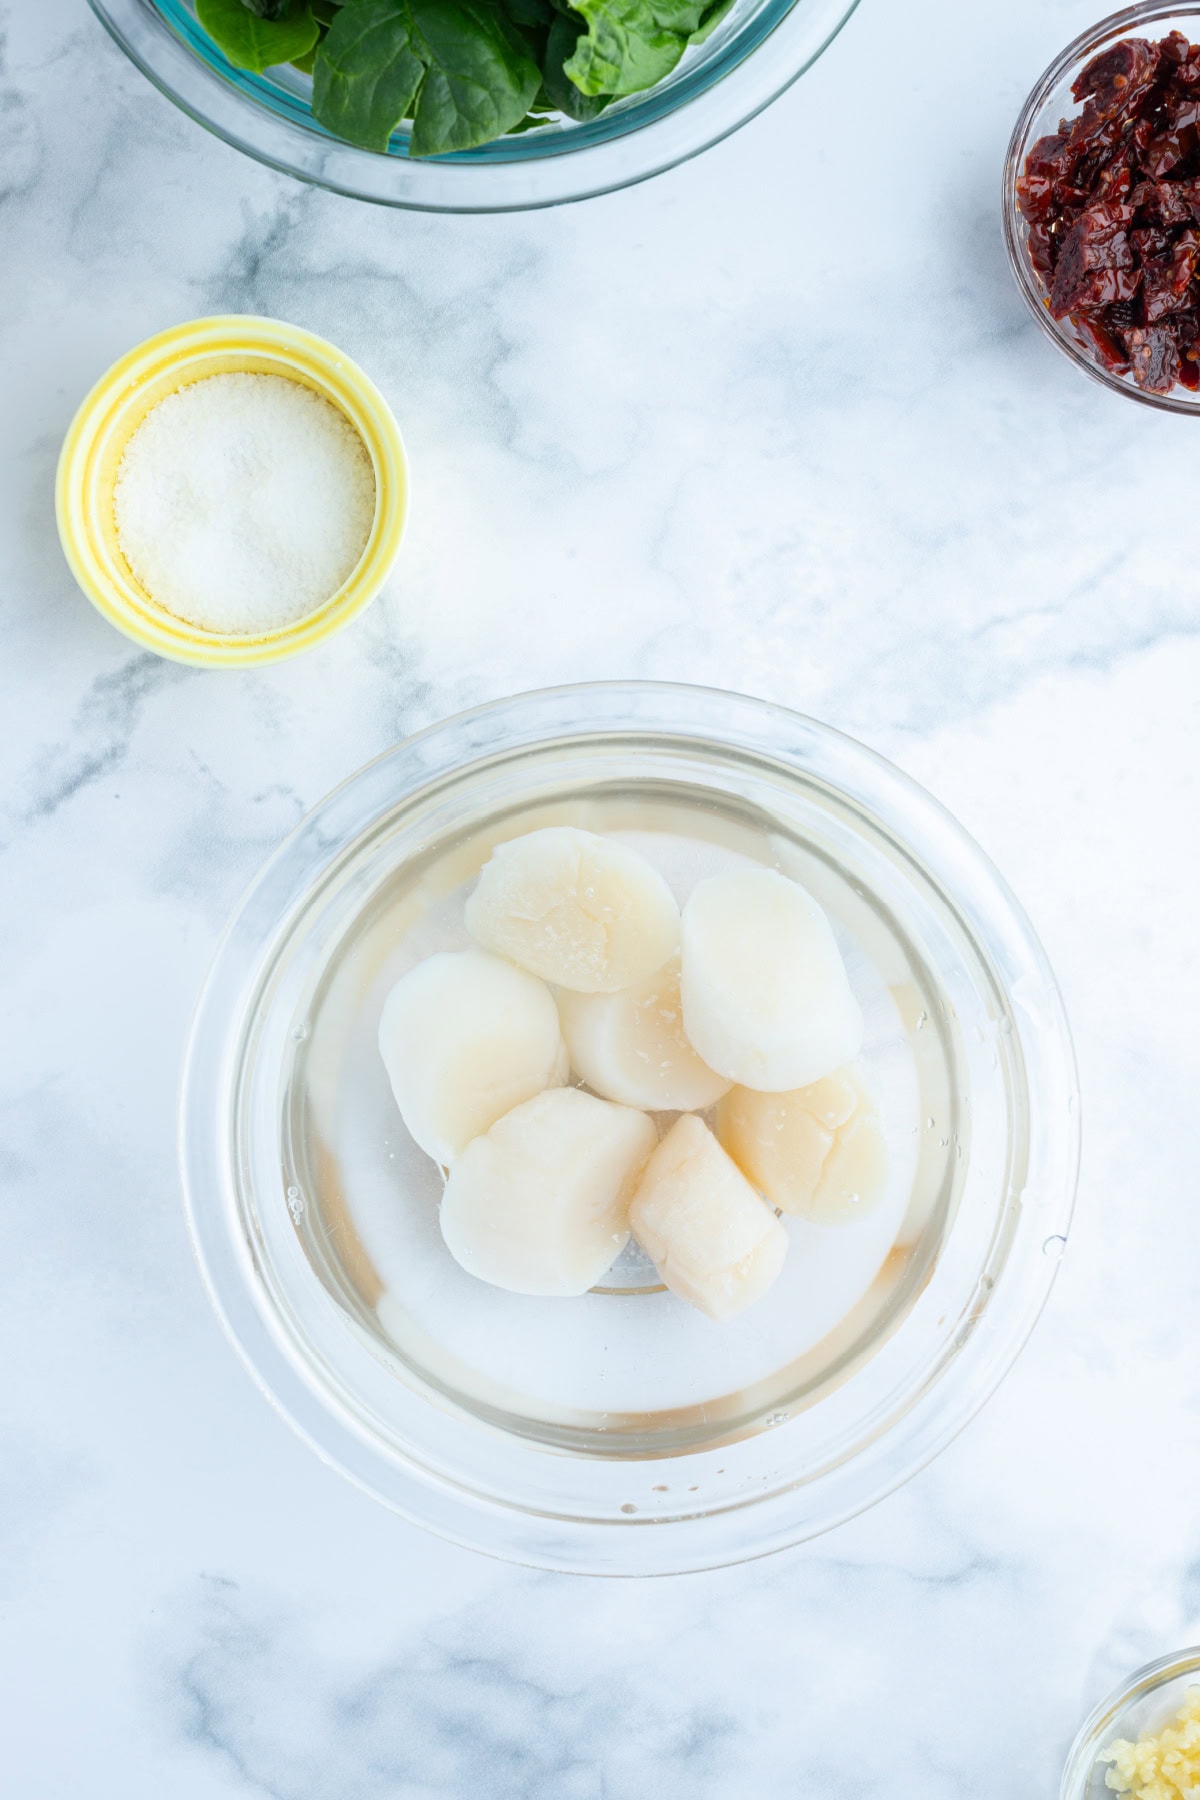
(628, 1368)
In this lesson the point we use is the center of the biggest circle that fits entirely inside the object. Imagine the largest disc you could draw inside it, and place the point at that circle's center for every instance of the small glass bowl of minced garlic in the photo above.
(1143, 1740)
(233, 491)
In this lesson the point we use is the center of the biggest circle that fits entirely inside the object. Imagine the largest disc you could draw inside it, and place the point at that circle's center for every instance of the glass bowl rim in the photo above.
(953, 1385)
(1102, 1723)
(1079, 50)
(800, 31)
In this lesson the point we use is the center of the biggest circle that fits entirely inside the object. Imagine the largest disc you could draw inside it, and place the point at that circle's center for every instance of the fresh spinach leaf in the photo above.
(254, 41)
(483, 78)
(631, 44)
(367, 73)
(564, 35)
(305, 63)
(533, 15)
(710, 19)
(531, 36)
(458, 68)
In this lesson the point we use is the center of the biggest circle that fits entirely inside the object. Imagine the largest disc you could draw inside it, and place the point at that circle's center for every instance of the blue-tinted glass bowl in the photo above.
(757, 51)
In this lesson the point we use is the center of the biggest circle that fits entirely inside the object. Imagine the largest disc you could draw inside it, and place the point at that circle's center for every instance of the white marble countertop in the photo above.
(776, 421)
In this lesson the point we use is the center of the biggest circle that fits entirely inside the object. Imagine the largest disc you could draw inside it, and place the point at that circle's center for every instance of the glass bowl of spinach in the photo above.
(472, 105)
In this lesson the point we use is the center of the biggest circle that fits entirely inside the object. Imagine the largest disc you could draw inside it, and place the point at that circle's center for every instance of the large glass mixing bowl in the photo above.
(757, 51)
(623, 1432)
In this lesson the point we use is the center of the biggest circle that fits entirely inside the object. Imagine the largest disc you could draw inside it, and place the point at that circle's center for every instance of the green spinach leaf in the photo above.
(458, 68)
(631, 44)
(367, 73)
(710, 19)
(254, 41)
(306, 62)
(564, 35)
(532, 14)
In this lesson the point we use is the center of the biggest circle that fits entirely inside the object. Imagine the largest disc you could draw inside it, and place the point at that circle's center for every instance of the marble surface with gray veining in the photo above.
(775, 421)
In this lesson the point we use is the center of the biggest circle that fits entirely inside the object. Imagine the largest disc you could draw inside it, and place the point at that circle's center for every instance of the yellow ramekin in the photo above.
(116, 406)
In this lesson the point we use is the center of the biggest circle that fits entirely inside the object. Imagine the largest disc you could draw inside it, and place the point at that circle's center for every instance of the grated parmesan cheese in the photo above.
(243, 502)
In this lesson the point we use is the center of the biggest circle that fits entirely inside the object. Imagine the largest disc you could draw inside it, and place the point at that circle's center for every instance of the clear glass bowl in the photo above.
(1147, 1702)
(623, 1433)
(1049, 102)
(752, 56)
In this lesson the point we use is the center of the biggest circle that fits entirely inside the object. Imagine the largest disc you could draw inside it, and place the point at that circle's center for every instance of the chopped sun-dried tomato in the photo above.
(1095, 253)
(1153, 357)
(1112, 203)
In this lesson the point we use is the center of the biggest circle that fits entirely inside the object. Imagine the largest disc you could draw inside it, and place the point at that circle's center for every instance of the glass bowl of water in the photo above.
(622, 1432)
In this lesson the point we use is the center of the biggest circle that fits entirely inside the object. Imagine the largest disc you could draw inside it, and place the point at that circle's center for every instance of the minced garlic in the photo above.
(1166, 1767)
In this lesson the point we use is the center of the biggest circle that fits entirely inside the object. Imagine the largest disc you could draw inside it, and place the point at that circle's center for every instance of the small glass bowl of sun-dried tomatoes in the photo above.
(1102, 203)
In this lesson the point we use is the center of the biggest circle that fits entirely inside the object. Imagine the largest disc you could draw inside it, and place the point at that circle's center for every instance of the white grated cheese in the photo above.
(243, 502)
